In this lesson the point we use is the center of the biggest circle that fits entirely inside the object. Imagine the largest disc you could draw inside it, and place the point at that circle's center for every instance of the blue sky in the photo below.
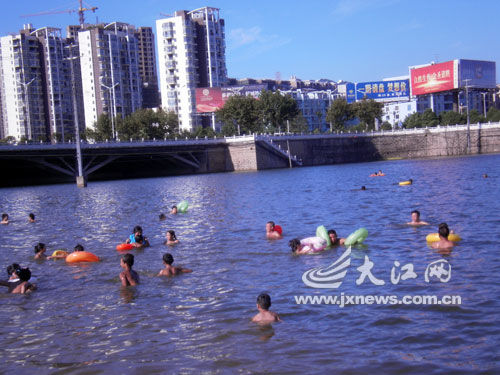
(355, 40)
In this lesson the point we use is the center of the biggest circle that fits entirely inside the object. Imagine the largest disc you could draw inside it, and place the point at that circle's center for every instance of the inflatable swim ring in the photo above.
(182, 207)
(321, 232)
(356, 237)
(313, 244)
(124, 246)
(434, 237)
(402, 183)
(278, 229)
(81, 256)
(59, 253)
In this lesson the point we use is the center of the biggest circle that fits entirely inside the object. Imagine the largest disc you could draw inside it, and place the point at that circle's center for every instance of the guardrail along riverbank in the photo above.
(32, 164)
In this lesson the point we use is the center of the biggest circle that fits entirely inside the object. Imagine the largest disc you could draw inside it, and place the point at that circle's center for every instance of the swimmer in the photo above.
(12, 271)
(170, 270)
(162, 217)
(5, 219)
(307, 245)
(485, 175)
(23, 286)
(265, 316)
(363, 187)
(335, 240)
(31, 218)
(137, 239)
(415, 219)
(78, 247)
(271, 232)
(171, 238)
(40, 251)
(174, 210)
(128, 277)
(380, 173)
(443, 242)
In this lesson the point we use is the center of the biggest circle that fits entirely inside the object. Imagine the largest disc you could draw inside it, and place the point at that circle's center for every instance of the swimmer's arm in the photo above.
(127, 240)
(123, 279)
(342, 241)
(184, 270)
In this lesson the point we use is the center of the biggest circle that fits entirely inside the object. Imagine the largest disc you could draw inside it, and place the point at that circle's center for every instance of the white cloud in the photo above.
(254, 37)
(351, 7)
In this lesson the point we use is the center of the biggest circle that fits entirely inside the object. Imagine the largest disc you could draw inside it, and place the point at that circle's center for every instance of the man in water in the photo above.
(271, 232)
(170, 270)
(415, 219)
(265, 316)
(444, 242)
(334, 239)
(174, 210)
(128, 277)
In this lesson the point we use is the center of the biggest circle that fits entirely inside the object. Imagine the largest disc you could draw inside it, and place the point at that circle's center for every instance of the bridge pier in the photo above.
(81, 181)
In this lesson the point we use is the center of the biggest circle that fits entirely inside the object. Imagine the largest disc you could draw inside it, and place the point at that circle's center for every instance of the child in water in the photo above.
(171, 238)
(170, 270)
(128, 277)
(22, 286)
(5, 219)
(40, 251)
(265, 316)
(31, 218)
(137, 239)
(174, 210)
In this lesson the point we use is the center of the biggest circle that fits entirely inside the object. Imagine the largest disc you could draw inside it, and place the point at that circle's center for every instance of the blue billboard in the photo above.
(478, 74)
(383, 90)
(350, 93)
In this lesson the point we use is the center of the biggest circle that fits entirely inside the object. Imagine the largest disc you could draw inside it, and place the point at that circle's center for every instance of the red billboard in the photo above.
(434, 78)
(208, 99)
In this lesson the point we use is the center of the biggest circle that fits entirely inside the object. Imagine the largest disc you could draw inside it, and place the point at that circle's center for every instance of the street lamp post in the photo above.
(112, 106)
(80, 178)
(468, 119)
(484, 102)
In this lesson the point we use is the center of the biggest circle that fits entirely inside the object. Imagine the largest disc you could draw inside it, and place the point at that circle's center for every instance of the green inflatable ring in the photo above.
(182, 207)
(356, 237)
(323, 233)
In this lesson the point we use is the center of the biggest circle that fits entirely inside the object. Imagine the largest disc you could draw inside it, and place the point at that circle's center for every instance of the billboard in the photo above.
(477, 74)
(383, 90)
(434, 78)
(350, 94)
(208, 99)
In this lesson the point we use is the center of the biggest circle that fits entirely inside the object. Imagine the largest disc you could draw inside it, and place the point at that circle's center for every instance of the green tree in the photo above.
(475, 117)
(339, 113)
(493, 115)
(452, 118)
(367, 111)
(413, 121)
(429, 118)
(102, 129)
(204, 132)
(299, 124)
(242, 111)
(386, 126)
(275, 108)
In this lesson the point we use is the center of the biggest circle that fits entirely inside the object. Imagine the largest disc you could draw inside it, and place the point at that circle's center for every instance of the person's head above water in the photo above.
(5, 217)
(415, 215)
(294, 244)
(128, 259)
(24, 274)
(39, 247)
(137, 229)
(14, 267)
(270, 226)
(78, 248)
(168, 258)
(333, 235)
(174, 210)
(171, 235)
(443, 230)
(363, 187)
(162, 217)
(264, 301)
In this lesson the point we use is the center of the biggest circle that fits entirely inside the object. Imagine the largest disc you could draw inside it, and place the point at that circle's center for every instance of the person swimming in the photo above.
(40, 249)
(271, 232)
(5, 219)
(265, 316)
(162, 217)
(128, 276)
(170, 270)
(174, 210)
(415, 219)
(22, 286)
(444, 242)
(334, 239)
(137, 239)
(171, 238)
(307, 245)
(31, 218)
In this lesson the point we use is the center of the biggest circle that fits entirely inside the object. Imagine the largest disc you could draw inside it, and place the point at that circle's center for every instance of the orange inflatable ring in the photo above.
(278, 229)
(81, 256)
(124, 246)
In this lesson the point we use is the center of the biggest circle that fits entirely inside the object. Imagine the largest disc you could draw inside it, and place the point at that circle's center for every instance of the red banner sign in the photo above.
(433, 78)
(208, 99)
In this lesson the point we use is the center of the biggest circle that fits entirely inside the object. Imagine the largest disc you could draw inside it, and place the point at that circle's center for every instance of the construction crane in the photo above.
(81, 12)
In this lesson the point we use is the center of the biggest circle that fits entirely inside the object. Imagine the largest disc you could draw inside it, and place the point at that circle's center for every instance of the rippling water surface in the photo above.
(81, 321)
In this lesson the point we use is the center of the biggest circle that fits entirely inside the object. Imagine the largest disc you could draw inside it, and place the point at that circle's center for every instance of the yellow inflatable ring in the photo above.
(405, 183)
(434, 237)
(81, 256)
(58, 253)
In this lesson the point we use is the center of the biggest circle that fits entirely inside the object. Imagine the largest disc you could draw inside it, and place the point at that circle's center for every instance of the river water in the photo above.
(80, 321)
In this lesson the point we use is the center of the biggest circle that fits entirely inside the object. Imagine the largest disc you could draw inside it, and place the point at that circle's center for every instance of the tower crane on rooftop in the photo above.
(81, 12)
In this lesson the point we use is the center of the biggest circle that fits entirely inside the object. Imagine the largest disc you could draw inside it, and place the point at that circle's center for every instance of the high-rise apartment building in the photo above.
(21, 86)
(147, 67)
(110, 71)
(191, 54)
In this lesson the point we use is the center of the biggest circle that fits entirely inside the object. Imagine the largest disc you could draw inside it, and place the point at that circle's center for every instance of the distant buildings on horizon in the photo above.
(113, 69)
